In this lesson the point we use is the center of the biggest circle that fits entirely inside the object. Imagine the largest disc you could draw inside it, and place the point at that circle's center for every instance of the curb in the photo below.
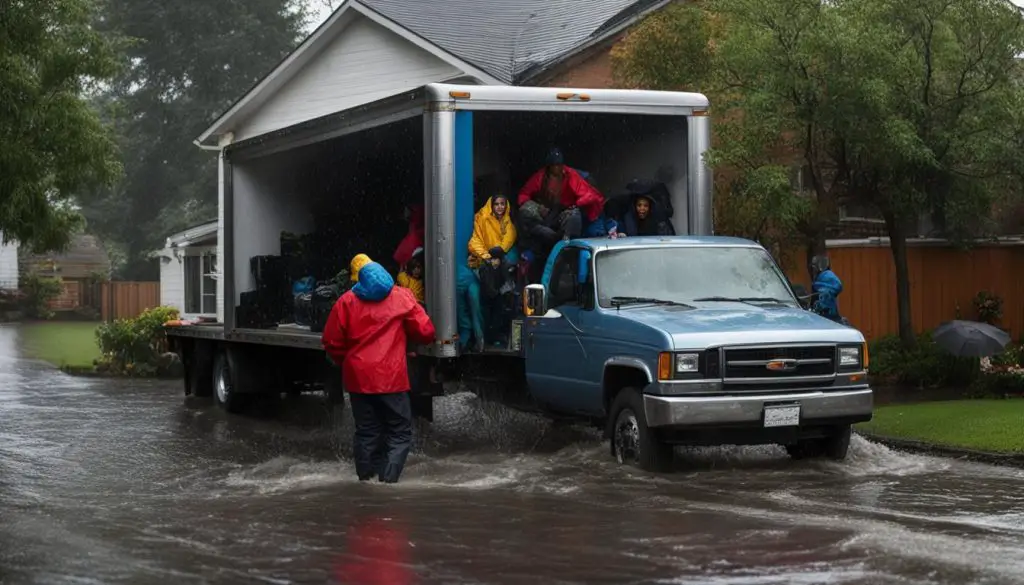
(923, 448)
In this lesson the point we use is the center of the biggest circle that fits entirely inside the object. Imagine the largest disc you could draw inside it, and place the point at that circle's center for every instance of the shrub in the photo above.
(1002, 375)
(133, 347)
(927, 365)
(989, 307)
(39, 292)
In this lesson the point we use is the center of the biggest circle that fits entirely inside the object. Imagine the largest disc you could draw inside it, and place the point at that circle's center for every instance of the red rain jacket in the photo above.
(413, 238)
(575, 191)
(368, 339)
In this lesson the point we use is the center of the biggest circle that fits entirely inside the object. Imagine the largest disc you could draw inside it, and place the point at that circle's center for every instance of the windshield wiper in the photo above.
(743, 300)
(622, 301)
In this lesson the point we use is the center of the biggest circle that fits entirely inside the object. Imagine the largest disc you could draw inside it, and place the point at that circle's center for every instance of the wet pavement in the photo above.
(122, 481)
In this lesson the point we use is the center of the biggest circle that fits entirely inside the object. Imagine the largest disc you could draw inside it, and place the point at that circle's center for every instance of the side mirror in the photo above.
(535, 300)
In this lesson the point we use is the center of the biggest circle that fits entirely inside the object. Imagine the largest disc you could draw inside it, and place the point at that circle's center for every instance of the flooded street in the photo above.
(125, 482)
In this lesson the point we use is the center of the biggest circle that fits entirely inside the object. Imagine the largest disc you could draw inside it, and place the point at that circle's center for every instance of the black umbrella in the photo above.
(970, 338)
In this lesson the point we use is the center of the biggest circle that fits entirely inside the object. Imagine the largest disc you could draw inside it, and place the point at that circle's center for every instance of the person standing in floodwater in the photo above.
(366, 335)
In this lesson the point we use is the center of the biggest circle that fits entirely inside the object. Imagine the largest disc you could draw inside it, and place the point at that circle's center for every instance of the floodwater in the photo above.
(126, 482)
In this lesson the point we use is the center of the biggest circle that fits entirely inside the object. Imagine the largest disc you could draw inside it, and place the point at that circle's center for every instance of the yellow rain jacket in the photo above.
(413, 284)
(489, 232)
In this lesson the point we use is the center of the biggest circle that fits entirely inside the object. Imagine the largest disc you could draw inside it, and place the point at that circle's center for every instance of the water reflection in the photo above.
(377, 552)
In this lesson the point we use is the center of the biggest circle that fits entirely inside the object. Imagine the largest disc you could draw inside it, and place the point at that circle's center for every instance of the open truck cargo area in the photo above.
(297, 204)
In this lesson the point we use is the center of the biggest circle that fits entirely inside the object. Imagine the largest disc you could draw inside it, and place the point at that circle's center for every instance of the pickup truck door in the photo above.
(554, 342)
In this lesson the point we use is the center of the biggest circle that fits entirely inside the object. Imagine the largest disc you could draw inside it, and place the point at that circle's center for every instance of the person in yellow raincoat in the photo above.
(411, 276)
(494, 234)
(492, 255)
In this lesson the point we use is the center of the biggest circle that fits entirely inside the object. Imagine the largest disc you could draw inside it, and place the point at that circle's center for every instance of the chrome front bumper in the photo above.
(685, 411)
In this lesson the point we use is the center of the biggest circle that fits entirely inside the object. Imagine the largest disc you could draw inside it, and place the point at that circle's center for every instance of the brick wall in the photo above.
(591, 70)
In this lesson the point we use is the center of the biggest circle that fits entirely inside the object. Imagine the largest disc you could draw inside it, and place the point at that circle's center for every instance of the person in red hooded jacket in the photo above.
(414, 237)
(566, 184)
(366, 335)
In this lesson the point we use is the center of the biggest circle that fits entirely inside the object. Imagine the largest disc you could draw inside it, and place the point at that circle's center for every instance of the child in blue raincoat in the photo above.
(828, 287)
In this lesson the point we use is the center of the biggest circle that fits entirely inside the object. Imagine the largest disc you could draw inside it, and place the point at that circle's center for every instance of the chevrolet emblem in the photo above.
(781, 365)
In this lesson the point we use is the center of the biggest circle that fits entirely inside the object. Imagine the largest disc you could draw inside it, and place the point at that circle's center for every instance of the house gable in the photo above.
(363, 63)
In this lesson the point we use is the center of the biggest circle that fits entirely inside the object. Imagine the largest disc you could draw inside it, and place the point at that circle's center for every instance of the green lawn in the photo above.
(984, 425)
(62, 344)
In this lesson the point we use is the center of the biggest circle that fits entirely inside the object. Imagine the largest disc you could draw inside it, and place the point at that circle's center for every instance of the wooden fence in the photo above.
(943, 281)
(124, 300)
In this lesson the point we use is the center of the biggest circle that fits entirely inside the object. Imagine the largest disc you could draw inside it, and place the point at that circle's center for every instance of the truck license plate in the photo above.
(781, 416)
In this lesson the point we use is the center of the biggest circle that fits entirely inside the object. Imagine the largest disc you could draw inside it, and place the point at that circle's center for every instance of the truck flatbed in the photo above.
(282, 337)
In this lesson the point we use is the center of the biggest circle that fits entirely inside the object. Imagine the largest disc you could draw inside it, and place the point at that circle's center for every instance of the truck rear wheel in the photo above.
(834, 447)
(224, 392)
(632, 441)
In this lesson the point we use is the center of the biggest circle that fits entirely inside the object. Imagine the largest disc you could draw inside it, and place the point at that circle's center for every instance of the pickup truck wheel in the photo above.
(834, 447)
(223, 387)
(632, 441)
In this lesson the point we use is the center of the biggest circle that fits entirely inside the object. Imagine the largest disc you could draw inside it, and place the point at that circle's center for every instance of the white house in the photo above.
(188, 271)
(8, 265)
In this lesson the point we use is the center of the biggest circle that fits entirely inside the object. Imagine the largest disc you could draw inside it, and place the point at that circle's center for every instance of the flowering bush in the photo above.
(989, 307)
(1002, 374)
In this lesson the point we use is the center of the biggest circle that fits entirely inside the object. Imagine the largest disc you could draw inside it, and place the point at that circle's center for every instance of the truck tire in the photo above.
(834, 447)
(224, 392)
(632, 441)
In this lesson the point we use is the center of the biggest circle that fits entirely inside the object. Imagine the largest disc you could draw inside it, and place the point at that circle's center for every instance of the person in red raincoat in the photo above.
(571, 189)
(414, 237)
(366, 335)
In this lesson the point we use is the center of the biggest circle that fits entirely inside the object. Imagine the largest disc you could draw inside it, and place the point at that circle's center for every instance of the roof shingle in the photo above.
(509, 39)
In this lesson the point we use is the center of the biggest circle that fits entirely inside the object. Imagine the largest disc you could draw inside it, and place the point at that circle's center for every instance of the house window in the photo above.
(200, 285)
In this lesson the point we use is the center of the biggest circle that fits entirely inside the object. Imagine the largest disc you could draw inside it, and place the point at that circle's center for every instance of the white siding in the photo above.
(366, 62)
(9, 265)
(172, 285)
(267, 201)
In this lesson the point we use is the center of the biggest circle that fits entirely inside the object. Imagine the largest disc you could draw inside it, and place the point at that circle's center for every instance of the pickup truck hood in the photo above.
(737, 323)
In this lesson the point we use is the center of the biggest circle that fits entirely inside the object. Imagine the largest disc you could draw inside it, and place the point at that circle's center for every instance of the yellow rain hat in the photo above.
(358, 261)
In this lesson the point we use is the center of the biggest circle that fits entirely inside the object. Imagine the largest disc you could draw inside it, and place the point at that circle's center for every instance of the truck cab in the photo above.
(690, 341)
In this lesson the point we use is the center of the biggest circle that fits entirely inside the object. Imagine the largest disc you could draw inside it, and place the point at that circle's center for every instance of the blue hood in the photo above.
(375, 283)
(737, 323)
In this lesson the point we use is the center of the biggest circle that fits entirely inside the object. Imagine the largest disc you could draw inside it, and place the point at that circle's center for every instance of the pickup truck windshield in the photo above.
(689, 274)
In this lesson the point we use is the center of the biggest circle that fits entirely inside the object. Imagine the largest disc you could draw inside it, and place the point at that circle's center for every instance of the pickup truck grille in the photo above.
(783, 363)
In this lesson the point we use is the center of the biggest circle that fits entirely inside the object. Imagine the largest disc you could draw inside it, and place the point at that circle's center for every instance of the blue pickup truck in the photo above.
(690, 341)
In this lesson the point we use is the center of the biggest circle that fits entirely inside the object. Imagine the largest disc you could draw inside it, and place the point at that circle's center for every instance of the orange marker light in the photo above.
(665, 366)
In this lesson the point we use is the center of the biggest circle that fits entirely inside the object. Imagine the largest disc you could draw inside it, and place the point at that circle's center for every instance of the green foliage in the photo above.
(760, 205)
(134, 347)
(925, 365)
(191, 59)
(907, 107)
(39, 291)
(54, 143)
(670, 51)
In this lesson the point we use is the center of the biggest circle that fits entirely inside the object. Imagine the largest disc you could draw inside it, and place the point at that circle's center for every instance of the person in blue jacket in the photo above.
(827, 286)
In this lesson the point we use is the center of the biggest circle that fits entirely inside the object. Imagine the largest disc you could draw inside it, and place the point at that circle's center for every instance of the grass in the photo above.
(69, 345)
(982, 425)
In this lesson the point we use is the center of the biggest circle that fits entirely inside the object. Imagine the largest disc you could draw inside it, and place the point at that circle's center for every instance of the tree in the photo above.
(672, 50)
(912, 107)
(189, 60)
(52, 143)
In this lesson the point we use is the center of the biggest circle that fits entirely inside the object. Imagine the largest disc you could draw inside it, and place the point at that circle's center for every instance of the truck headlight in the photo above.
(673, 366)
(850, 357)
(687, 363)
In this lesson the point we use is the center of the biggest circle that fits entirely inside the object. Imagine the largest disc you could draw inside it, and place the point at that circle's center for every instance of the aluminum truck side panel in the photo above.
(439, 181)
(699, 177)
